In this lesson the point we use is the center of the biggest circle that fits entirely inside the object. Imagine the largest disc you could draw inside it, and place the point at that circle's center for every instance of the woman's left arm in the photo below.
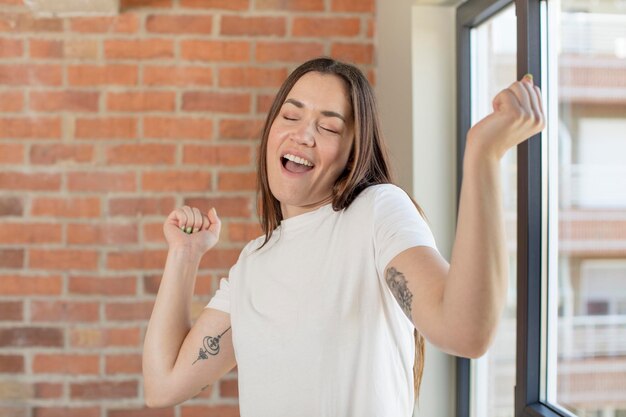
(457, 307)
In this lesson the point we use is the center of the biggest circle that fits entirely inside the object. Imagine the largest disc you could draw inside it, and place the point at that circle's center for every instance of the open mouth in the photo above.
(296, 164)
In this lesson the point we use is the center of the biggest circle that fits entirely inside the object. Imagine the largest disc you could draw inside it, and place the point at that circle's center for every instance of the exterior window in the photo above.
(493, 47)
(587, 283)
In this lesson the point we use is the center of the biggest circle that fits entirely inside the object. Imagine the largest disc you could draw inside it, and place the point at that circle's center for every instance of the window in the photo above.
(570, 252)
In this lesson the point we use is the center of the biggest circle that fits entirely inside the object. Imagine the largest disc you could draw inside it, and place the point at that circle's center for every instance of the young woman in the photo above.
(322, 313)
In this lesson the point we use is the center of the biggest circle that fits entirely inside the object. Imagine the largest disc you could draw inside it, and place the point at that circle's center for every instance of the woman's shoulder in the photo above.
(377, 191)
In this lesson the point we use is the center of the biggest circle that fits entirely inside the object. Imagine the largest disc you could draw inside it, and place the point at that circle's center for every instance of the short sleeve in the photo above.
(221, 299)
(398, 225)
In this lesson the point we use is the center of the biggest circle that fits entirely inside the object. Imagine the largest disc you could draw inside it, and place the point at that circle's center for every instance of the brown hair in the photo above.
(367, 165)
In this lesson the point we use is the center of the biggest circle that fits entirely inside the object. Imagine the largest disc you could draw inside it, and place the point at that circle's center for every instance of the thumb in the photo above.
(216, 223)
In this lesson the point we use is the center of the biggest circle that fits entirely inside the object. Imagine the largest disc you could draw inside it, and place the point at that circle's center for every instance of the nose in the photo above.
(304, 134)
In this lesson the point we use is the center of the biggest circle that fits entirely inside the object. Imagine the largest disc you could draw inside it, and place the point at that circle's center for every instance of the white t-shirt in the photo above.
(316, 329)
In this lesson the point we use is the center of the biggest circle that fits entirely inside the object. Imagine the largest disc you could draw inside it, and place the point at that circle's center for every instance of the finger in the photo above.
(522, 96)
(539, 98)
(189, 219)
(534, 102)
(206, 223)
(197, 220)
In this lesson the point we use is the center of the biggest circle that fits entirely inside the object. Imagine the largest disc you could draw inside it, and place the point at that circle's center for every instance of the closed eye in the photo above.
(329, 130)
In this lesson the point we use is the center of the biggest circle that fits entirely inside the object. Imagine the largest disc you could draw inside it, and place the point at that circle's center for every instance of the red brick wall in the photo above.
(106, 125)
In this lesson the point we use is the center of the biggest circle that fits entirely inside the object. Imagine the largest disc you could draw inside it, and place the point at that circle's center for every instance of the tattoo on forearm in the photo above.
(210, 346)
(398, 285)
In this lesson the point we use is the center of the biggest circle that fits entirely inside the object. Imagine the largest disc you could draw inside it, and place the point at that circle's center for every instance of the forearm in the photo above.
(476, 287)
(170, 320)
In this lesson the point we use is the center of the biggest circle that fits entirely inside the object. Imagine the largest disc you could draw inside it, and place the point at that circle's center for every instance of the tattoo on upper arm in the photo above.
(398, 285)
(210, 346)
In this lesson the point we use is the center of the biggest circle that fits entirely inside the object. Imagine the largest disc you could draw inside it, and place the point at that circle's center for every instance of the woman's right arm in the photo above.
(179, 360)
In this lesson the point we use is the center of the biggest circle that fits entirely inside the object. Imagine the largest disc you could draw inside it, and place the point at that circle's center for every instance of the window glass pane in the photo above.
(493, 68)
(587, 301)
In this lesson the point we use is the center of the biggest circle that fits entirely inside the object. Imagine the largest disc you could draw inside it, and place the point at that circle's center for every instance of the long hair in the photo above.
(368, 163)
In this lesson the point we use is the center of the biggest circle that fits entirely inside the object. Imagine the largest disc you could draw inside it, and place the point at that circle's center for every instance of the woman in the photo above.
(324, 310)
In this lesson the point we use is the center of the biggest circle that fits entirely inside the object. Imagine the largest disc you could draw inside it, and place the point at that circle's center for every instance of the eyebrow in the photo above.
(327, 113)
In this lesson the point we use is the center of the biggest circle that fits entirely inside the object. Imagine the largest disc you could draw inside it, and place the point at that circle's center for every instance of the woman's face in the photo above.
(309, 143)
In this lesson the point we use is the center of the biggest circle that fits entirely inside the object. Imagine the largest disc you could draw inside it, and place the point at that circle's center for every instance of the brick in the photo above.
(11, 153)
(146, 153)
(68, 100)
(31, 74)
(30, 127)
(166, 127)
(287, 52)
(153, 232)
(241, 128)
(357, 53)
(11, 259)
(17, 410)
(25, 285)
(220, 259)
(129, 311)
(102, 234)
(251, 77)
(122, 23)
(141, 206)
(326, 26)
(216, 102)
(70, 364)
(57, 153)
(370, 32)
(81, 49)
(236, 181)
(11, 48)
(145, 259)
(102, 285)
(106, 128)
(26, 22)
(101, 181)
(64, 311)
(141, 101)
(16, 391)
(253, 26)
(28, 233)
(99, 75)
(217, 4)
(229, 388)
(11, 206)
(209, 411)
(223, 51)
(123, 364)
(60, 259)
(48, 390)
(31, 337)
(177, 76)
(264, 103)
(138, 49)
(104, 337)
(11, 364)
(177, 181)
(44, 48)
(100, 390)
(11, 101)
(294, 5)
(11, 310)
(142, 412)
(68, 207)
(138, 4)
(203, 285)
(55, 411)
(364, 6)
(30, 181)
(225, 206)
(198, 24)
(221, 155)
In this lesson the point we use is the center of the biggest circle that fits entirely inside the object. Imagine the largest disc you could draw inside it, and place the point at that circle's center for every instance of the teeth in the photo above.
(298, 160)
